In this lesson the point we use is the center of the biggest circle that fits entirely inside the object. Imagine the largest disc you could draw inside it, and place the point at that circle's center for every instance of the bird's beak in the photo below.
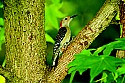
(73, 16)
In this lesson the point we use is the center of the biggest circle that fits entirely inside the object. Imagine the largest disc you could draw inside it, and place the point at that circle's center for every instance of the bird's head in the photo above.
(65, 21)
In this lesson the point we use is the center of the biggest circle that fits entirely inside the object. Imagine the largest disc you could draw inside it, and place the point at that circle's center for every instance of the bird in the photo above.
(62, 38)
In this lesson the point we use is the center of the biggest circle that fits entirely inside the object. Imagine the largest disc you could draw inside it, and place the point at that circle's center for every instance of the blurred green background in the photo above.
(2, 36)
(55, 10)
(2, 40)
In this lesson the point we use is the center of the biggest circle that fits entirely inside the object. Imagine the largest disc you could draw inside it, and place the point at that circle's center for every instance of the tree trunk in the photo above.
(25, 40)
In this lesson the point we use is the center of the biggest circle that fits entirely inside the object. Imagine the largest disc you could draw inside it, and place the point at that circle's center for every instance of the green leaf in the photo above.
(1, 5)
(48, 26)
(72, 69)
(95, 70)
(121, 26)
(120, 39)
(108, 50)
(87, 52)
(81, 70)
(121, 79)
(1, 22)
(120, 71)
(58, 13)
(4, 63)
(119, 45)
(105, 63)
(72, 76)
(2, 79)
(100, 49)
(51, 17)
(52, 14)
(83, 62)
(84, 53)
(104, 77)
(55, 1)
(110, 78)
(49, 38)
(2, 37)
(117, 16)
(97, 64)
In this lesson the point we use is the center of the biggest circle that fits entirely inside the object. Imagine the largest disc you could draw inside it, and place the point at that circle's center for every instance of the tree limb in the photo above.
(84, 39)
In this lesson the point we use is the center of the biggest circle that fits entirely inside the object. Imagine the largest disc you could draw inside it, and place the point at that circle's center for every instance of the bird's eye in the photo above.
(65, 18)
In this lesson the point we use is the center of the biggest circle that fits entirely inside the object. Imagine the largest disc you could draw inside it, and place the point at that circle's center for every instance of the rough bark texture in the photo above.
(84, 39)
(121, 53)
(122, 16)
(25, 40)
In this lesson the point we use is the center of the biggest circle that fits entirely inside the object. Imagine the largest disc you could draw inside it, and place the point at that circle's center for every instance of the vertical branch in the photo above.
(25, 40)
(121, 53)
(122, 17)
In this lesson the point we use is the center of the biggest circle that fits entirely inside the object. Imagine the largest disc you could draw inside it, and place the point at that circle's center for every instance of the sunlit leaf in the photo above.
(120, 39)
(104, 63)
(2, 79)
(2, 37)
(58, 13)
(72, 76)
(1, 22)
(87, 52)
(96, 64)
(4, 63)
(51, 17)
(81, 70)
(52, 14)
(100, 49)
(1, 5)
(55, 1)
(117, 16)
(120, 71)
(108, 50)
(49, 38)
(119, 45)
(104, 77)
(71, 70)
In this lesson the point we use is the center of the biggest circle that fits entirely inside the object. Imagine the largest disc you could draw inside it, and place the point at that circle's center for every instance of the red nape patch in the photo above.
(60, 24)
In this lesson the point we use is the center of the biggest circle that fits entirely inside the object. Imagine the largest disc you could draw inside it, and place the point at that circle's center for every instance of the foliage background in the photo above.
(2, 38)
(55, 10)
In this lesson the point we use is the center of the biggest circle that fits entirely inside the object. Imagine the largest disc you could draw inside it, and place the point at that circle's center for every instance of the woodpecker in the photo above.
(62, 38)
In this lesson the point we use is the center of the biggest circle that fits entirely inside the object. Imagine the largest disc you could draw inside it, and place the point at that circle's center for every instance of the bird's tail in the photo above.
(56, 57)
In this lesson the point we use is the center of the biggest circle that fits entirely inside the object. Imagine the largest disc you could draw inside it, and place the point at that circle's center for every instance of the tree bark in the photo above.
(25, 40)
(121, 53)
(84, 39)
